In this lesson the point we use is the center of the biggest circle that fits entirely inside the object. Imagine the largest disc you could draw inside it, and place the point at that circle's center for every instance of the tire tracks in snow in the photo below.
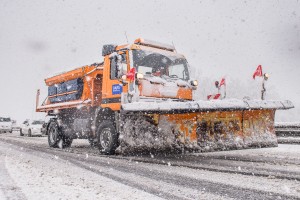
(222, 190)
(82, 163)
(244, 168)
(8, 187)
(205, 163)
(240, 165)
(181, 181)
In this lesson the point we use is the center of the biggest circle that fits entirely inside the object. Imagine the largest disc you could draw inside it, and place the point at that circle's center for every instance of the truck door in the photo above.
(112, 87)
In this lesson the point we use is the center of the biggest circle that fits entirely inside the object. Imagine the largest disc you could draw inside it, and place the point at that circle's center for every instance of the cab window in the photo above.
(118, 65)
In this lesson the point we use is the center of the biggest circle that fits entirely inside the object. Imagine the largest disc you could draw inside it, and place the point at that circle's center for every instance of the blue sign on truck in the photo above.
(117, 89)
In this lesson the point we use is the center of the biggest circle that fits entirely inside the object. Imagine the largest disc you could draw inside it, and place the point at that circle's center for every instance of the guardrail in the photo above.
(288, 132)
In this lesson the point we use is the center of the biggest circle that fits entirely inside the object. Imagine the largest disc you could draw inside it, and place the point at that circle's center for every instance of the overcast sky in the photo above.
(40, 38)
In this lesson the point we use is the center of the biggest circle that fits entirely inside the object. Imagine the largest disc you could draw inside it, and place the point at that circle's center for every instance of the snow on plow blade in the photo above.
(199, 125)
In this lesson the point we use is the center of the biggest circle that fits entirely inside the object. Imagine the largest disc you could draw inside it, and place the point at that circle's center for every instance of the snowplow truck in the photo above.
(140, 98)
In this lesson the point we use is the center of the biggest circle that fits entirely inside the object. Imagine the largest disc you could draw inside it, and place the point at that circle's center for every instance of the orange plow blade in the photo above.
(199, 126)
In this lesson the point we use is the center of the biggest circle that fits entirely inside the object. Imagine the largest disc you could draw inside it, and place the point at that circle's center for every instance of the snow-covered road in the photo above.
(29, 169)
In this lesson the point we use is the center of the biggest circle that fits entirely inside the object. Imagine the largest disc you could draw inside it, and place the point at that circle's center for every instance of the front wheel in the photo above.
(107, 137)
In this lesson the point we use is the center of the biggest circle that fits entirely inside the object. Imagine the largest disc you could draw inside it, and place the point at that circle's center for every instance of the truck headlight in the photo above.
(194, 83)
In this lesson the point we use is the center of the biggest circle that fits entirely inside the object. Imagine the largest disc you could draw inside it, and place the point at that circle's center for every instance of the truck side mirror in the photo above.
(114, 67)
(121, 65)
(118, 66)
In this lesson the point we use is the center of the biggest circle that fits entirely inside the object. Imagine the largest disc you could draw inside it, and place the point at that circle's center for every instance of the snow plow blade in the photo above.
(199, 125)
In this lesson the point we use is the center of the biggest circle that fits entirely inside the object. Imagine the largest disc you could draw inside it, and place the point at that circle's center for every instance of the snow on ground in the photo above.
(36, 171)
(271, 185)
(53, 178)
(283, 151)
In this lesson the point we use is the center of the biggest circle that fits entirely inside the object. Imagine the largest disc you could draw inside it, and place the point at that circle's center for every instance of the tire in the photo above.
(29, 133)
(107, 137)
(54, 134)
(21, 134)
(10, 131)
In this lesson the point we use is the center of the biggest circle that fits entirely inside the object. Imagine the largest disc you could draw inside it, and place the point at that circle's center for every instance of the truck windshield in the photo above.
(160, 64)
(3, 119)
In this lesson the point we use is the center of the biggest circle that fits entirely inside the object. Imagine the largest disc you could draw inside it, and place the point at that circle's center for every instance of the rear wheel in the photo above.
(56, 137)
(54, 134)
(107, 137)
(21, 133)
